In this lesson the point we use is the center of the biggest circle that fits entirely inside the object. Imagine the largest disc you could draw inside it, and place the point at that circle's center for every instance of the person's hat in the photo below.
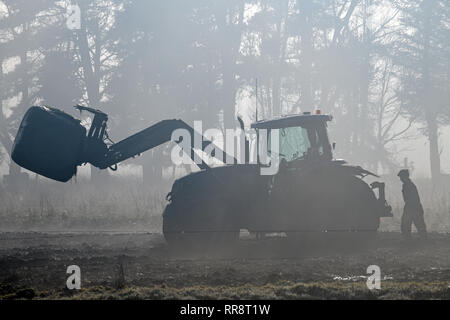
(403, 173)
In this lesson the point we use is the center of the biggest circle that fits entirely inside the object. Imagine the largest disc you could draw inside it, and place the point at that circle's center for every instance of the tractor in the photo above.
(311, 193)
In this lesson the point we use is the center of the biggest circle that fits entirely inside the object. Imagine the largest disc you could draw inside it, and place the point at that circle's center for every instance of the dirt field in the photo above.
(141, 266)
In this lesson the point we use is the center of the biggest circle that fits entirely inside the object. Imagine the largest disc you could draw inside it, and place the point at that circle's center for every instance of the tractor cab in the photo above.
(301, 137)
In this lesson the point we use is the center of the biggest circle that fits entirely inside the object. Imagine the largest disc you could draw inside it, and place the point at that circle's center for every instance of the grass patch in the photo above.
(314, 290)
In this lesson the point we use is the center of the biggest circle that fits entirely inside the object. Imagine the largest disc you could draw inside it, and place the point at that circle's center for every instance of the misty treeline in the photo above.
(380, 67)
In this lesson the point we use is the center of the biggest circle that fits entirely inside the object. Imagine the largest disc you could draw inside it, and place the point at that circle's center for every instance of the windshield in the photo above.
(294, 143)
(300, 143)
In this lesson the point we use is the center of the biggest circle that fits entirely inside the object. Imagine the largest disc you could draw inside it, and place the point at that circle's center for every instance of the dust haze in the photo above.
(380, 68)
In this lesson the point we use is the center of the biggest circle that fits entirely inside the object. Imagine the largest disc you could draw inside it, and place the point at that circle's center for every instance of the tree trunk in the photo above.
(229, 93)
(430, 112)
(91, 69)
(281, 51)
(229, 57)
(306, 58)
(276, 101)
(15, 177)
(435, 161)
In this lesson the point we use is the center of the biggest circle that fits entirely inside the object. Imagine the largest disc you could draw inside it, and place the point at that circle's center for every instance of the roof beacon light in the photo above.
(317, 111)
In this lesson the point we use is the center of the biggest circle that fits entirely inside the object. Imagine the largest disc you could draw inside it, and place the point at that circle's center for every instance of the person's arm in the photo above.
(410, 194)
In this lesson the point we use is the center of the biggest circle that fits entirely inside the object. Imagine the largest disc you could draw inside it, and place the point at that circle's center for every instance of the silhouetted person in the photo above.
(413, 210)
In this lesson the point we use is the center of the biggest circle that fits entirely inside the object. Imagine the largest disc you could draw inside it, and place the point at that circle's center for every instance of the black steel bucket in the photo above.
(50, 143)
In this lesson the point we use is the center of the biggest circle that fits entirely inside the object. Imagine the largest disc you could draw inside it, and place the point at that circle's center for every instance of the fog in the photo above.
(380, 67)
(333, 222)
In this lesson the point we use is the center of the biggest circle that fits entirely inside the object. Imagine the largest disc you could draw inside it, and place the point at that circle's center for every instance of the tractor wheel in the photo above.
(339, 213)
(195, 230)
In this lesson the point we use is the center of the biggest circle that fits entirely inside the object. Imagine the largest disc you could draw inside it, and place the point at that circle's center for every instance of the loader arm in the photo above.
(149, 138)
(53, 144)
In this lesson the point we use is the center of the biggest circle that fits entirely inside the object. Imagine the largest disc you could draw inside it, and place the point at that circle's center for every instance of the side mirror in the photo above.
(334, 145)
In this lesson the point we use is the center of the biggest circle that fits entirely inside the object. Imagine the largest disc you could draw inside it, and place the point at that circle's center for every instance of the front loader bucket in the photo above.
(49, 142)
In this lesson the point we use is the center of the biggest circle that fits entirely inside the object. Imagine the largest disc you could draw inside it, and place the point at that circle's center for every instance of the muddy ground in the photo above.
(116, 265)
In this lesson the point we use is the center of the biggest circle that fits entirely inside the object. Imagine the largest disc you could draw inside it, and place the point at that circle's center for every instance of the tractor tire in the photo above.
(194, 230)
